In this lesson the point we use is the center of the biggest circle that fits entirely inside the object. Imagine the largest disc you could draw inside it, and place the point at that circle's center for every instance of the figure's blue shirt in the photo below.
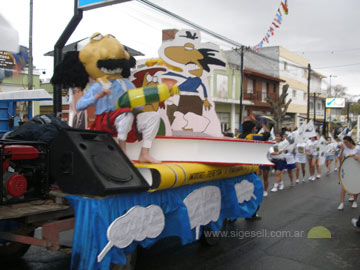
(191, 84)
(107, 103)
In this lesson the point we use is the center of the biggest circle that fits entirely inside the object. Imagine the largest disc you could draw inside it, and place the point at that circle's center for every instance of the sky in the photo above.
(326, 32)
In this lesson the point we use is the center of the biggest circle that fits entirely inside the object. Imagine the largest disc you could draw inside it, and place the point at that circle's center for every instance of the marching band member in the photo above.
(313, 156)
(278, 158)
(349, 148)
(300, 158)
(330, 155)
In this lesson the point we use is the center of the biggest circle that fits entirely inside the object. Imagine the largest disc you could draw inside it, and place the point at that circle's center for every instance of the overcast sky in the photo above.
(326, 32)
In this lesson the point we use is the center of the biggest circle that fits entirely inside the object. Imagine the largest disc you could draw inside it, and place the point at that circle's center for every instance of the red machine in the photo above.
(24, 173)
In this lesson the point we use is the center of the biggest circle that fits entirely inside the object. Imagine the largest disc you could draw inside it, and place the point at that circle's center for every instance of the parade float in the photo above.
(118, 203)
(203, 179)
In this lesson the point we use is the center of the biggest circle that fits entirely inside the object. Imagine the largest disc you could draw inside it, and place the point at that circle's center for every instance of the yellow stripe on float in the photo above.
(180, 174)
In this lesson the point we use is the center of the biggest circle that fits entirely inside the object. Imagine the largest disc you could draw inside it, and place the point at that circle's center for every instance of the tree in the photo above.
(355, 108)
(280, 107)
(338, 91)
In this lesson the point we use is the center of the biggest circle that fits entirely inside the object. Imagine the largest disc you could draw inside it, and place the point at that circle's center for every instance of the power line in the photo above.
(232, 42)
(330, 51)
(196, 26)
(346, 65)
(275, 59)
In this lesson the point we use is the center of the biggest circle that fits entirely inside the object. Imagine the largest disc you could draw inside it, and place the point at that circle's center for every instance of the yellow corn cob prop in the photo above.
(142, 96)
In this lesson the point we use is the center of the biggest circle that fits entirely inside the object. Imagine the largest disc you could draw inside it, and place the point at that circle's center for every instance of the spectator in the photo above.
(17, 120)
(25, 118)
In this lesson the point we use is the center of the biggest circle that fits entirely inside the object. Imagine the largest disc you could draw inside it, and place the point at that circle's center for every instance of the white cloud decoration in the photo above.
(135, 225)
(203, 206)
(244, 191)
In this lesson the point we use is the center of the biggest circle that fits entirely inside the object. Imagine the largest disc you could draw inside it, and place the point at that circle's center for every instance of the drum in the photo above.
(349, 175)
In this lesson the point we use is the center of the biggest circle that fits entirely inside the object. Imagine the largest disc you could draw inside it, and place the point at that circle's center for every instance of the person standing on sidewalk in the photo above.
(278, 158)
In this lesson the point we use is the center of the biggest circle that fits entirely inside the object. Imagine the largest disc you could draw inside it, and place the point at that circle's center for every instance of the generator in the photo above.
(24, 171)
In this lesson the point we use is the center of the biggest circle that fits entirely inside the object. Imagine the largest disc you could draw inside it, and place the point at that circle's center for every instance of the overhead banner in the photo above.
(91, 4)
(335, 103)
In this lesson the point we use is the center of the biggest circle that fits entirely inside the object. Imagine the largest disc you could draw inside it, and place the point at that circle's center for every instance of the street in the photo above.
(278, 241)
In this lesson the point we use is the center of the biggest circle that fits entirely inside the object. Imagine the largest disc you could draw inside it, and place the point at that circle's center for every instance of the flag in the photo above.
(275, 25)
(288, 143)
(285, 8)
(309, 130)
(322, 146)
(342, 134)
(278, 17)
(276, 20)
(279, 11)
(271, 30)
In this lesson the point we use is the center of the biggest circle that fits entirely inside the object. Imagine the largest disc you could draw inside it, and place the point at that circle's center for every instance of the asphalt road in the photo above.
(278, 241)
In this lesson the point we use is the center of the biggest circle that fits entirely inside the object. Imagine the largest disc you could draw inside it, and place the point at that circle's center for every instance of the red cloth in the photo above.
(106, 122)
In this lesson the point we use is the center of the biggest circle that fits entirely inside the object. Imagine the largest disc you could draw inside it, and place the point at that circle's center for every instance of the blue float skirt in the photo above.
(93, 217)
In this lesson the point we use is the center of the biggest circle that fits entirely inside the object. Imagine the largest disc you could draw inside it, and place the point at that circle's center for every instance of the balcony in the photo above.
(257, 98)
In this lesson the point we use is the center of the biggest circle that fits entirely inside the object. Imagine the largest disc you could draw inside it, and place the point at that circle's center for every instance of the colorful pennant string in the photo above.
(276, 23)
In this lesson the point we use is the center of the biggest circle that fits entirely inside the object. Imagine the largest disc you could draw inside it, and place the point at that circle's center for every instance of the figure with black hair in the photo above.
(106, 61)
(349, 148)
(195, 59)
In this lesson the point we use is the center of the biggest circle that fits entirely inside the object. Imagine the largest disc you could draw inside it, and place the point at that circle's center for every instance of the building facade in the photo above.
(293, 70)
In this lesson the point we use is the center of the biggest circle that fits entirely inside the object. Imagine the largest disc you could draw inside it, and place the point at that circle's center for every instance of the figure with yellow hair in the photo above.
(106, 61)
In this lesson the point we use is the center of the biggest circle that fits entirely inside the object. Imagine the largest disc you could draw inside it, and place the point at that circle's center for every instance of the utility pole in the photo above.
(58, 50)
(314, 109)
(30, 68)
(241, 85)
(325, 124)
(308, 94)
